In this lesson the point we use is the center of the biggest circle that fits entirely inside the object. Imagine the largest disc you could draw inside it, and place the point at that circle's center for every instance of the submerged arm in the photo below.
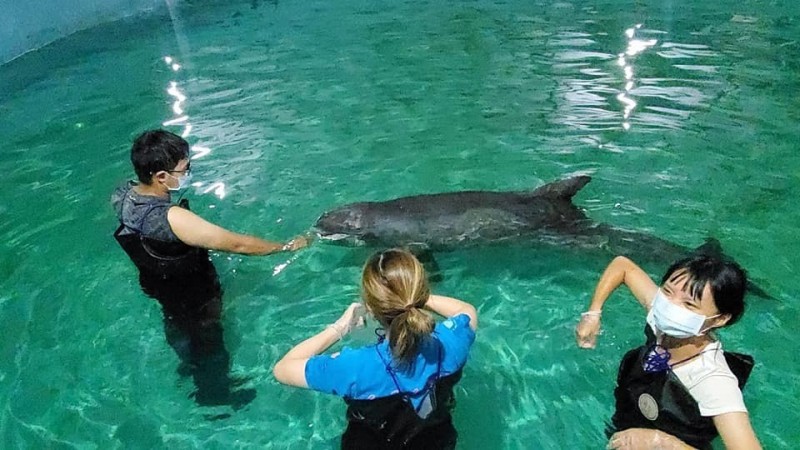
(734, 428)
(645, 438)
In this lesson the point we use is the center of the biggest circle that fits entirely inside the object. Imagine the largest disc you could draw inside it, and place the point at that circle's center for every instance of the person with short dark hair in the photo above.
(161, 162)
(679, 390)
(169, 245)
(399, 391)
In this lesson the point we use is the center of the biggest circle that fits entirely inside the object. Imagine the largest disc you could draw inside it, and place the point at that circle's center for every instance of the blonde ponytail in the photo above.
(395, 288)
(406, 332)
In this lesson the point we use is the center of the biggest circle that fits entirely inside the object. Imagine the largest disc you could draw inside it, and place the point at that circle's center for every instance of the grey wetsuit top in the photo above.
(143, 214)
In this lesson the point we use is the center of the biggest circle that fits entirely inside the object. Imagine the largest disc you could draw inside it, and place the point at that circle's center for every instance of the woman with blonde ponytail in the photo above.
(399, 391)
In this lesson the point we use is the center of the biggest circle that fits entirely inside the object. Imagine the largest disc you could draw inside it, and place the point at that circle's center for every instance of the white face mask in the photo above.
(183, 181)
(673, 320)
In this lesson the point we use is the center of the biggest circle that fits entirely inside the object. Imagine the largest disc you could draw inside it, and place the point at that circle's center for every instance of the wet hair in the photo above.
(395, 289)
(726, 280)
(157, 150)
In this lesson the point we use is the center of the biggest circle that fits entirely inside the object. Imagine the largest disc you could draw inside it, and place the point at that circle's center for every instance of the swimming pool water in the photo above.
(296, 107)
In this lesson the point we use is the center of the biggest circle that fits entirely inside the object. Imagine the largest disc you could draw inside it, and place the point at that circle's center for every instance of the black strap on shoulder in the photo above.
(741, 365)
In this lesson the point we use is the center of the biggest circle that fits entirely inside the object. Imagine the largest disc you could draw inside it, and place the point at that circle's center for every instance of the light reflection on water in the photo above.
(669, 102)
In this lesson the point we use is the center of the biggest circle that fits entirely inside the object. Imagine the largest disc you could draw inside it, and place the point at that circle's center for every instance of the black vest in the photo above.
(181, 277)
(160, 259)
(391, 422)
(660, 401)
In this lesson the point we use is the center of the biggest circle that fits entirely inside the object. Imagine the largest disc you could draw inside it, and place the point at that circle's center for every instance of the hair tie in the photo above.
(380, 263)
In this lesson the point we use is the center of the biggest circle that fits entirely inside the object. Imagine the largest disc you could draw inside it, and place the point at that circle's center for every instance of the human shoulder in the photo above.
(124, 187)
(120, 193)
(348, 358)
(455, 328)
(129, 194)
(710, 362)
(144, 213)
(458, 322)
(712, 383)
(185, 223)
(339, 373)
(457, 337)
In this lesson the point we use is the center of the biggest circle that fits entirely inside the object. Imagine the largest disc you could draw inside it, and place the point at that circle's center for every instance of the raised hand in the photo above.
(587, 329)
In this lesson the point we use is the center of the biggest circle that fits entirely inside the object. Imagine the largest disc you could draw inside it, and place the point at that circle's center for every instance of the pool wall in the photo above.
(27, 25)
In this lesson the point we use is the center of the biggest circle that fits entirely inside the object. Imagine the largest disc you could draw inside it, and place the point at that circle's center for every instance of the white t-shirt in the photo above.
(711, 383)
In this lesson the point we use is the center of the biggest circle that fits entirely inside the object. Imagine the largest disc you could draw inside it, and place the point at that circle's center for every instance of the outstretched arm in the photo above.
(620, 271)
(197, 232)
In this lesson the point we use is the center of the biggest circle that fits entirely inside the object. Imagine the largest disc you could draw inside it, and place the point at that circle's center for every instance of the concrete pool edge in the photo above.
(27, 26)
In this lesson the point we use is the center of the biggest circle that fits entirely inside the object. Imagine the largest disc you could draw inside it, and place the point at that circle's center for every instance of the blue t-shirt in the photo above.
(360, 373)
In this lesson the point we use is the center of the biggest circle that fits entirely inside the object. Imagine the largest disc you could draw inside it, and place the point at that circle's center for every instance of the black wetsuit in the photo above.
(660, 401)
(391, 422)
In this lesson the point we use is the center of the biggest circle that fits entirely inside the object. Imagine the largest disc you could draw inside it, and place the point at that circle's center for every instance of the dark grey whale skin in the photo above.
(450, 220)
(446, 221)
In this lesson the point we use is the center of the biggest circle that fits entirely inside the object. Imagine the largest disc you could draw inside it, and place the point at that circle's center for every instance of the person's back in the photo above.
(399, 391)
(397, 406)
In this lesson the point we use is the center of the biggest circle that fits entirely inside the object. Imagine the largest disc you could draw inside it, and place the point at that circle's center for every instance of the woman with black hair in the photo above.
(679, 390)
(399, 391)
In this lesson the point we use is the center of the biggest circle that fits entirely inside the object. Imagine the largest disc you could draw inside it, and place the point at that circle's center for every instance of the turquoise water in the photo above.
(296, 107)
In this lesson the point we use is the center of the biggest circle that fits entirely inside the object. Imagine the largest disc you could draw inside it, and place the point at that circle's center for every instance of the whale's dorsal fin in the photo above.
(564, 189)
(711, 247)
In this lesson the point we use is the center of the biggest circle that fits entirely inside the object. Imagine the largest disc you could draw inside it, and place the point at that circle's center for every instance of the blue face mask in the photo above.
(183, 181)
(673, 320)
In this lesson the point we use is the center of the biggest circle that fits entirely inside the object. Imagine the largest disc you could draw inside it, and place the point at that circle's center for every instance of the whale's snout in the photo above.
(333, 237)
(339, 225)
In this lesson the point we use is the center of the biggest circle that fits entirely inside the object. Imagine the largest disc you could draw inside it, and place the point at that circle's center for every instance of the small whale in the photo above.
(446, 221)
